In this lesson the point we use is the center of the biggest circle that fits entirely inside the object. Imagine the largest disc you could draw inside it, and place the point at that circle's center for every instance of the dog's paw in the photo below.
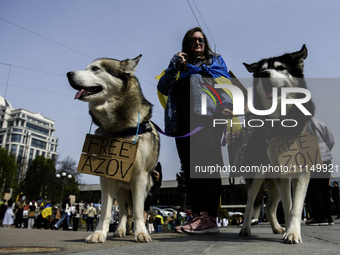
(120, 233)
(245, 232)
(292, 238)
(142, 237)
(96, 237)
(279, 230)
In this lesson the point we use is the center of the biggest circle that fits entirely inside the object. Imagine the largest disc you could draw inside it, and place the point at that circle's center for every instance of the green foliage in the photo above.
(181, 191)
(8, 169)
(40, 179)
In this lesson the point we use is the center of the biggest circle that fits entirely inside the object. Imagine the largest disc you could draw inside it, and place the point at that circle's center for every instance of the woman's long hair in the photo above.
(207, 54)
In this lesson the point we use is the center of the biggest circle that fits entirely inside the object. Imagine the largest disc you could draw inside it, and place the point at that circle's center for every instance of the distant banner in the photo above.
(110, 157)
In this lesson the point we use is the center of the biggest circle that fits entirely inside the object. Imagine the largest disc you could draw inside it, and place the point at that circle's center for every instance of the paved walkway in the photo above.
(316, 240)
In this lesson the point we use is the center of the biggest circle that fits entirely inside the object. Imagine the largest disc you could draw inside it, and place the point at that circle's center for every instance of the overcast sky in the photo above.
(42, 40)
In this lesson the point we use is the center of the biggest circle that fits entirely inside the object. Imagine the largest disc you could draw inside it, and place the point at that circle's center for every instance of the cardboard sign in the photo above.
(111, 157)
(297, 153)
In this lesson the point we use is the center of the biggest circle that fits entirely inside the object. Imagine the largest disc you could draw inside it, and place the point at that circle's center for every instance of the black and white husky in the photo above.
(115, 101)
(278, 72)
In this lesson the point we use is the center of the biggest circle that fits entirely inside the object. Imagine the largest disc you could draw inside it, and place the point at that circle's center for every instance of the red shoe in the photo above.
(202, 225)
(178, 229)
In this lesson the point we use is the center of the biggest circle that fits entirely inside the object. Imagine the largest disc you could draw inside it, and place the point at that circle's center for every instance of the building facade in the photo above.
(26, 135)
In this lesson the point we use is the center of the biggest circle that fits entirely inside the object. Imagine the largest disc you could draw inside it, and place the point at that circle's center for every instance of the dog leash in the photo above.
(135, 141)
(181, 136)
(91, 127)
(197, 129)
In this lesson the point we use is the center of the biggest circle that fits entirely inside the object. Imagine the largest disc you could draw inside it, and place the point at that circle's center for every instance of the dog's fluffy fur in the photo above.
(283, 71)
(115, 99)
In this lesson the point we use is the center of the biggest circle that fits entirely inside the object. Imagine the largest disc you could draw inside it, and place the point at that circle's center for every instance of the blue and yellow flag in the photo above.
(218, 71)
(47, 211)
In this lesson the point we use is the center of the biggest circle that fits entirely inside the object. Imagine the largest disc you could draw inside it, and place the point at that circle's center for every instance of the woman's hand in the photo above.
(226, 113)
(183, 56)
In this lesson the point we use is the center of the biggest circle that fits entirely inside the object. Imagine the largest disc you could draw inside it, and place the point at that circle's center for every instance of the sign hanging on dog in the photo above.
(110, 157)
(296, 153)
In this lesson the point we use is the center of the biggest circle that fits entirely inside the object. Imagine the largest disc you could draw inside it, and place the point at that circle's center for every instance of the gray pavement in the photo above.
(316, 240)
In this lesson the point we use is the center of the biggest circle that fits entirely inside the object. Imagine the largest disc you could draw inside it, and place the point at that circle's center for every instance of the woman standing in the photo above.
(191, 74)
(76, 216)
(8, 219)
(151, 220)
(64, 210)
(31, 215)
(91, 213)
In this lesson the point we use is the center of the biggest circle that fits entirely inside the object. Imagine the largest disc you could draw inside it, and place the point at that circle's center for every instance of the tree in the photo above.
(182, 198)
(68, 185)
(40, 180)
(69, 166)
(8, 169)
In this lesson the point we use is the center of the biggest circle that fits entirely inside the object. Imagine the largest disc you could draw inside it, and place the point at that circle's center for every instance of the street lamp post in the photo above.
(63, 175)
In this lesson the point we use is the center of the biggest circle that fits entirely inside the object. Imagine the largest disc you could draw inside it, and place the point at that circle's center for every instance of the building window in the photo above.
(30, 156)
(37, 121)
(38, 144)
(21, 152)
(14, 149)
(16, 138)
(25, 139)
(37, 129)
(39, 136)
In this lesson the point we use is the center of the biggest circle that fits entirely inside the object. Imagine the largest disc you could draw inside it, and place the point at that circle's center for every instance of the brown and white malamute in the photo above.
(117, 105)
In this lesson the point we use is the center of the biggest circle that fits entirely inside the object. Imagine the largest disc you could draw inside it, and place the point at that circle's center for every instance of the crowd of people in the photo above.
(23, 213)
(154, 223)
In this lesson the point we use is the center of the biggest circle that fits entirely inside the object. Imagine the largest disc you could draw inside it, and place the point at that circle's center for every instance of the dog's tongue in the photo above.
(79, 93)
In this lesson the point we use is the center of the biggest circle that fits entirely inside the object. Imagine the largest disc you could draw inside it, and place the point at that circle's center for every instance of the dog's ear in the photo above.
(252, 67)
(299, 56)
(129, 65)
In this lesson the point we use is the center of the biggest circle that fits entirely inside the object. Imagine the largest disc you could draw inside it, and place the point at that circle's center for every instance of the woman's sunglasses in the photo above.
(194, 39)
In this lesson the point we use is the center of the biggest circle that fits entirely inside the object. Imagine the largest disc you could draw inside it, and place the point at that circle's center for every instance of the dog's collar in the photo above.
(144, 127)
